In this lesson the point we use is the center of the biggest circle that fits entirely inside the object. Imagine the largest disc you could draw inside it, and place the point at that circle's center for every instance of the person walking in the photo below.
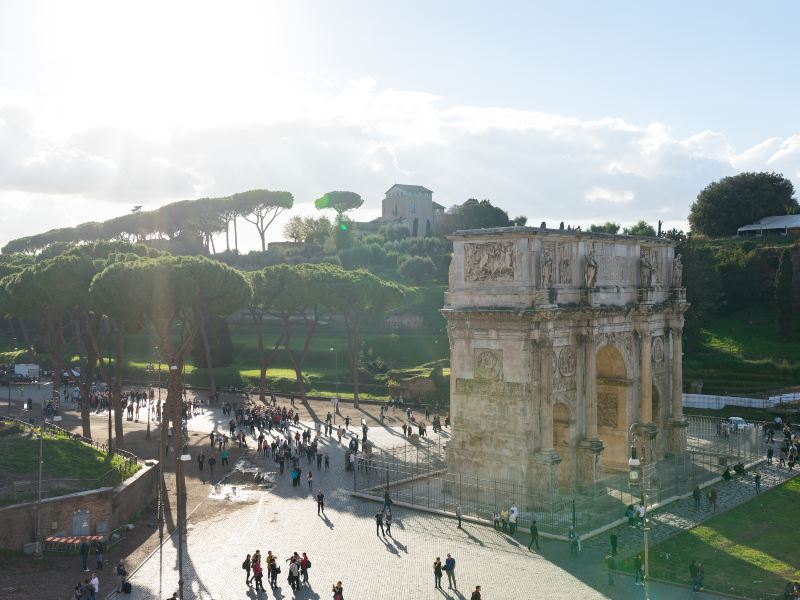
(258, 576)
(246, 567)
(201, 459)
(338, 591)
(476, 595)
(700, 575)
(450, 569)
(496, 519)
(637, 570)
(85, 555)
(310, 479)
(614, 542)
(211, 462)
(770, 454)
(696, 496)
(95, 583)
(99, 554)
(387, 517)
(437, 573)
(122, 574)
(458, 515)
(272, 569)
(534, 535)
(610, 564)
(758, 482)
(693, 574)
(305, 565)
(572, 537)
(379, 524)
(712, 499)
(320, 502)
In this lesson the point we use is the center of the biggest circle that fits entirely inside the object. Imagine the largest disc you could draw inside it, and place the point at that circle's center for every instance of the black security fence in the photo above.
(418, 475)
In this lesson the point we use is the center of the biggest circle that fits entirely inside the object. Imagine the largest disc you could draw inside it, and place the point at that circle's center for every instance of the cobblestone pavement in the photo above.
(343, 546)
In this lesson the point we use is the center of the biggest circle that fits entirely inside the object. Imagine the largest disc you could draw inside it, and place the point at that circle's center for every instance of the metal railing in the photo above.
(419, 476)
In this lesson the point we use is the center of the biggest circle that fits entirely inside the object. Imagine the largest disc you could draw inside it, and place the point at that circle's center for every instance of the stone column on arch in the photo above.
(646, 385)
(590, 384)
(677, 425)
(677, 372)
(543, 462)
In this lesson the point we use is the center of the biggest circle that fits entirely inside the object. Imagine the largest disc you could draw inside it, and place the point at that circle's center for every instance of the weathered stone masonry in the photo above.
(559, 342)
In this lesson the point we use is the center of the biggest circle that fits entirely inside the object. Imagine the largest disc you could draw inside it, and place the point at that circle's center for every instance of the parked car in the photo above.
(737, 424)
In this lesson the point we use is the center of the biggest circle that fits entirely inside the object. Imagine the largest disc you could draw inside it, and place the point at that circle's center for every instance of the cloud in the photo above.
(599, 194)
(546, 166)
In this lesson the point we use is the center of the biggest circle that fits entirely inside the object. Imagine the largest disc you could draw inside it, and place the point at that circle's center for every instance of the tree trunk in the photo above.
(227, 234)
(263, 235)
(212, 382)
(235, 236)
(298, 372)
(26, 336)
(298, 362)
(262, 379)
(357, 344)
(116, 393)
(211, 241)
(85, 384)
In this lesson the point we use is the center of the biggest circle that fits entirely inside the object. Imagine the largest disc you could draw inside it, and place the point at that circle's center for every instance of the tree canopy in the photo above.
(341, 202)
(642, 228)
(607, 227)
(725, 205)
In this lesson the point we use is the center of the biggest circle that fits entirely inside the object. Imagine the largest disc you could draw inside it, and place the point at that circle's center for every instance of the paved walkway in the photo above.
(343, 546)
(683, 514)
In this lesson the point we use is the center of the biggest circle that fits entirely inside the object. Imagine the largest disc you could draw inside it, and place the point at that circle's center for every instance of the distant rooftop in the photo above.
(772, 223)
(409, 188)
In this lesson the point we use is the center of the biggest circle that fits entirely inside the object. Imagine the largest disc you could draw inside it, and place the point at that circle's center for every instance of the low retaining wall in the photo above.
(112, 506)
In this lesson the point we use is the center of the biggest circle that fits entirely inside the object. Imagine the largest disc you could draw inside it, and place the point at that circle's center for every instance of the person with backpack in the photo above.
(122, 574)
(272, 569)
(338, 592)
(246, 567)
(305, 565)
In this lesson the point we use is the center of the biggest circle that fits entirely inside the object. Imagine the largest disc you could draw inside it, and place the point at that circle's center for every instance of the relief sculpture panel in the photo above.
(607, 409)
(492, 261)
(488, 364)
(565, 264)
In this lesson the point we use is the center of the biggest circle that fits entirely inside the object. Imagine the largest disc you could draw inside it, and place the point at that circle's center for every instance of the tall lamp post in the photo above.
(184, 457)
(635, 465)
(336, 359)
(38, 552)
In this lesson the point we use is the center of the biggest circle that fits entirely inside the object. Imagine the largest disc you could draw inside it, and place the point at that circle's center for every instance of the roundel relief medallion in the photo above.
(567, 361)
(488, 365)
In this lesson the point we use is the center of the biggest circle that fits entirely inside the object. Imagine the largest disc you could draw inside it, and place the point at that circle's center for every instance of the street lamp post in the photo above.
(38, 552)
(184, 457)
(336, 359)
(634, 465)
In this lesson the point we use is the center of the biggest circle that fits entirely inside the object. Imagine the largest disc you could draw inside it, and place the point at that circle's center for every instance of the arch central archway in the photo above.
(612, 406)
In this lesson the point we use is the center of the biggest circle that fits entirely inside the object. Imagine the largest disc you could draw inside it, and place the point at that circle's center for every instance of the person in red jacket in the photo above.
(305, 565)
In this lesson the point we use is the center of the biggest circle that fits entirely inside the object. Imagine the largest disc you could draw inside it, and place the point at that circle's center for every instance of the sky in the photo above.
(579, 112)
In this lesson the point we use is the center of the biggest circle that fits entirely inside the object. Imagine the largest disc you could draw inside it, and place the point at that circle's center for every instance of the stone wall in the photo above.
(113, 506)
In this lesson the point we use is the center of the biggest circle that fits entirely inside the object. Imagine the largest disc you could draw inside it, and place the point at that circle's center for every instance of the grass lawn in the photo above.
(741, 355)
(749, 550)
(64, 458)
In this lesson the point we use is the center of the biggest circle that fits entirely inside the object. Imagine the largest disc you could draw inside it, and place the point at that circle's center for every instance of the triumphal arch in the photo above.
(561, 342)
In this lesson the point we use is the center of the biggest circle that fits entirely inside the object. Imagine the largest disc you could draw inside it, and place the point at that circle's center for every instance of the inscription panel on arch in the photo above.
(490, 387)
